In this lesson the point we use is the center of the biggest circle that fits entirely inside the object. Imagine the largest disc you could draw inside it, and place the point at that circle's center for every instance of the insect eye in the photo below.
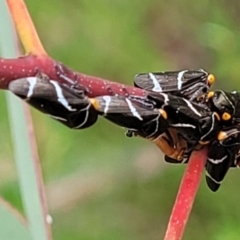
(211, 79)
(226, 116)
(210, 95)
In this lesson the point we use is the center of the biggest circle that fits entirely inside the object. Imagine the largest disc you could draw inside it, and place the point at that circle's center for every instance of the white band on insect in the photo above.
(217, 161)
(107, 100)
(214, 180)
(192, 108)
(133, 109)
(57, 118)
(183, 125)
(157, 86)
(179, 79)
(60, 96)
(32, 82)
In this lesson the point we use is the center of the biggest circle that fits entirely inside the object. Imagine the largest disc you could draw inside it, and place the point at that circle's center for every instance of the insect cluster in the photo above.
(179, 114)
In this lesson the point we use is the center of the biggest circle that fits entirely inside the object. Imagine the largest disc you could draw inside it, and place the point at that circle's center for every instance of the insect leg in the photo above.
(172, 144)
(61, 72)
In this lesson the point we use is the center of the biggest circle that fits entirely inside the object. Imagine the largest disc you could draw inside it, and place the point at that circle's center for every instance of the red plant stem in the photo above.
(186, 195)
(39, 60)
(29, 65)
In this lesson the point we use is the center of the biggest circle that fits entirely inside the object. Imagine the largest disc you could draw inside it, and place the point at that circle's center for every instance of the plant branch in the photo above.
(186, 195)
(30, 65)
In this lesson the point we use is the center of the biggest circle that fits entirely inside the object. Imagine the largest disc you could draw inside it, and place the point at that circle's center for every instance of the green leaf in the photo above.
(13, 226)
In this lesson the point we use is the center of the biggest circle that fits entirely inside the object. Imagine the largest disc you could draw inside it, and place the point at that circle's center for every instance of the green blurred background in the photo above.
(100, 184)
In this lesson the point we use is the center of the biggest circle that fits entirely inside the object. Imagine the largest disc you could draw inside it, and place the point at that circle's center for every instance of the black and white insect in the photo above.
(223, 153)
(69, 106)
(155, 119)
(226, 104)
(193, 85)
(190, 84)
(158, 112)
(192, 120)
(138, 115)
(141, 118)
(224, 149)
(178, 117)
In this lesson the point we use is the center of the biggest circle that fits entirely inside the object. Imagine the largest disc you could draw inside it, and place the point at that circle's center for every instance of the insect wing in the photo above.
(218, 162)
(183, 83)
(221, 156)
(71, 108)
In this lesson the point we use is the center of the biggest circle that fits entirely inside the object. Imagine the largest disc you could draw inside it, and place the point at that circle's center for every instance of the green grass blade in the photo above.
(29, 171)
(13, 226)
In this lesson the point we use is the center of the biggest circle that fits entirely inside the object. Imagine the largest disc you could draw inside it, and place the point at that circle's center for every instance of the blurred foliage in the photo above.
(102, 185)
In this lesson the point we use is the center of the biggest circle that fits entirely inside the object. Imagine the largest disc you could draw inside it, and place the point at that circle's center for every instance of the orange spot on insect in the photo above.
(163, 113)
(95, 103)
(211, 79)
(210, 95)
(226, 116)
(222, 136)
